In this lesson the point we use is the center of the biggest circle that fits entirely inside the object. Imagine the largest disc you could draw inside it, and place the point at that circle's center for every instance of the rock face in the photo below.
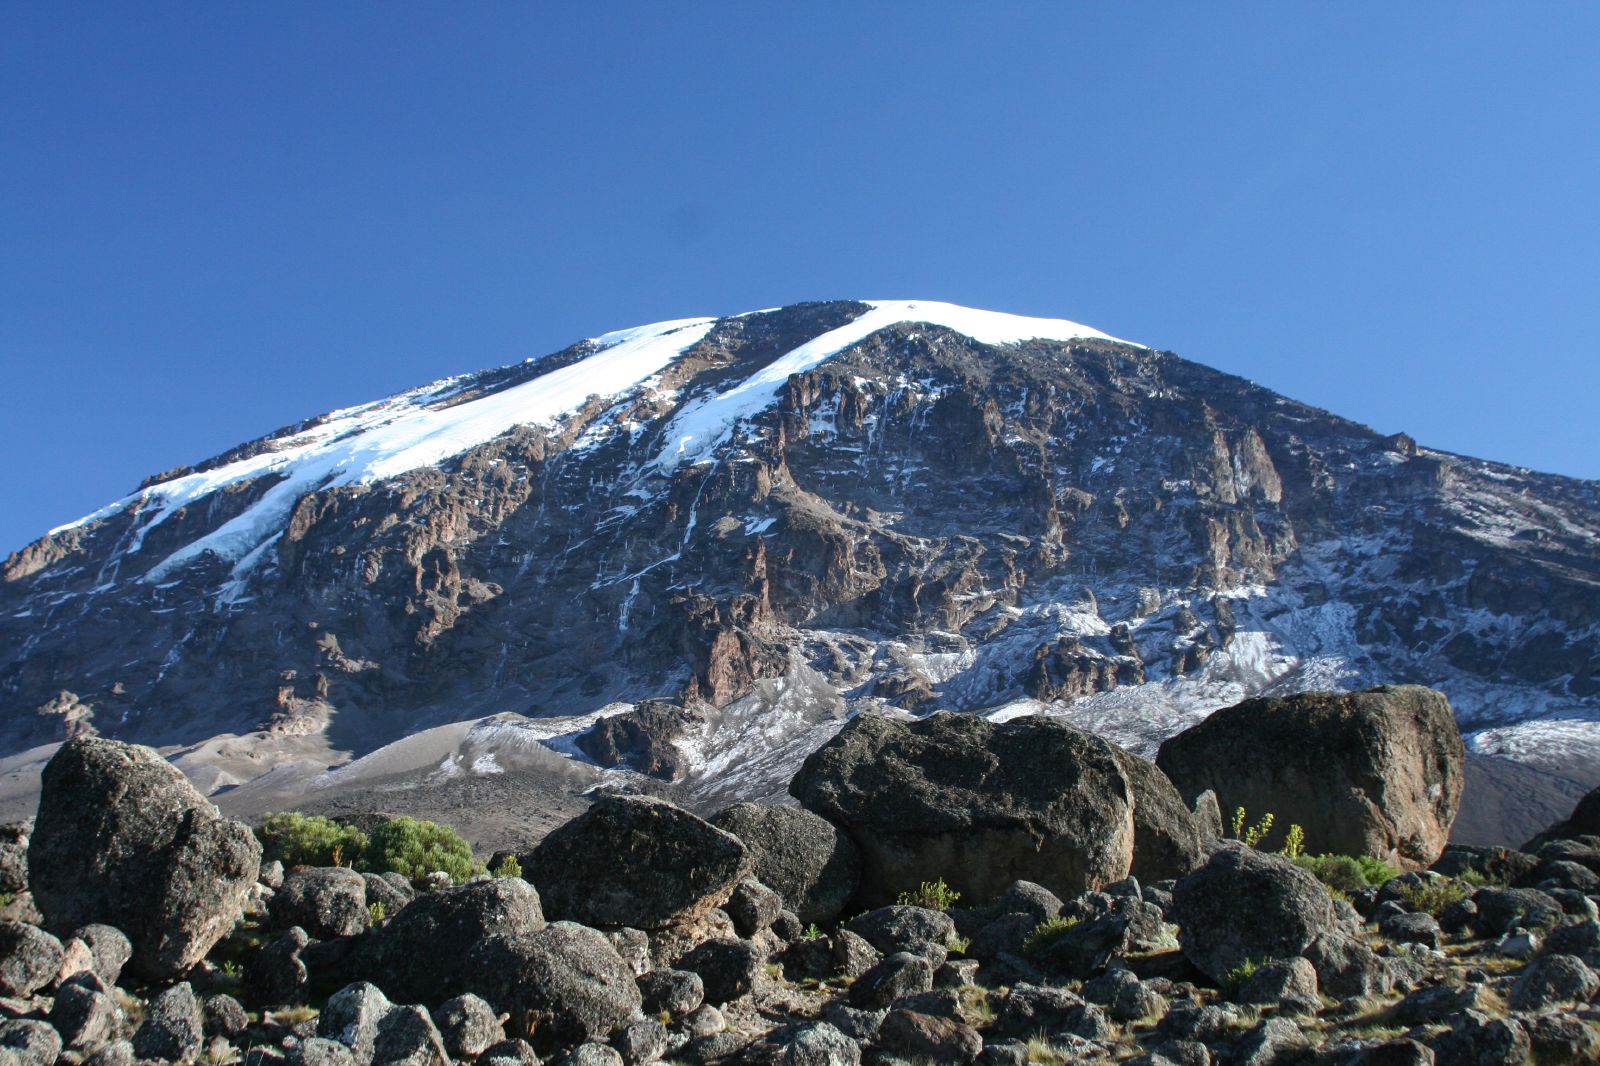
(1378, 772)
(1245, 905)
(979, 805)
(805, 858)
(635, 861)
(935, 515)
(123, 838)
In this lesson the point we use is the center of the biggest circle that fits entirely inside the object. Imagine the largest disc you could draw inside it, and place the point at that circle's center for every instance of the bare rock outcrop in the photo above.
(977, 804)
(1378, 772)
(123, 838)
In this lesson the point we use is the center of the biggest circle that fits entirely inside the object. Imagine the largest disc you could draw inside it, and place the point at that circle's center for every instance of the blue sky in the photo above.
(218, 219)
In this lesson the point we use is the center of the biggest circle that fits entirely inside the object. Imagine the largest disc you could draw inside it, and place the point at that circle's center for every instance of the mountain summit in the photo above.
(690, 550)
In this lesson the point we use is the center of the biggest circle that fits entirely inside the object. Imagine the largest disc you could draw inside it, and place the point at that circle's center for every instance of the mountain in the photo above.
(689, 550)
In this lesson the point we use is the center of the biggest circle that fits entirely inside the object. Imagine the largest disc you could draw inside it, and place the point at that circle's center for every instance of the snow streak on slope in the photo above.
(360, 445)
(704, 424)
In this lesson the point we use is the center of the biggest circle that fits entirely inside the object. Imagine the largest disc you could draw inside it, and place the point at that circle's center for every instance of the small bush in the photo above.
(934, 895)
(297, 839)
(1046, 933)
(1347, 874)
(509, 867)
(1234, 979)
(415, 848)
(376, 912)
(1434, 897)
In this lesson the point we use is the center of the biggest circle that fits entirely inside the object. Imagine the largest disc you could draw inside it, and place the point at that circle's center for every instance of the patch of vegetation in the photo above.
(509, 867)
(1234, 979)
(1294, 844)
(1251, 835)
(415, 848)
(297, 839)
(933, 895)
(1046, 933)
(1347, 874)
(959, 944)
(975, 1005)
(812, 931)
(1434, 897)
(376, 912)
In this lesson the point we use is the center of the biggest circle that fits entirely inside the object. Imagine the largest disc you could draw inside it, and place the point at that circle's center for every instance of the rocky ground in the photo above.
(949, 891)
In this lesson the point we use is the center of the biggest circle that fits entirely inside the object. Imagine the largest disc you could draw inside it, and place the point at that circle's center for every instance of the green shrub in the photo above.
(415, 848)
(509, 867)
(934, 895)
(1253, 834)
(376, 912)
(1234, 979)
(1434, 897)
(1046, 933)
(297, 839)
(1347, 874)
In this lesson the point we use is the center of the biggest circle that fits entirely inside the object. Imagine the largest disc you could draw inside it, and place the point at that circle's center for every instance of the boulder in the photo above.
(803, 857)
(468, 1025)
(1377, 773)
(728, 968)
(110, 949)
(974, 803)
(1247, 905)
(324, 901)
(561, 985)
(85, 1016)
(1583, 821)
(901, 974)
(753, 907)
(123, 838)
(31, 1043)
(675, 992)
(636, 861)
(422, 953)
(173, 1028)
(14, 856)
(30, 958)
(1168, 839)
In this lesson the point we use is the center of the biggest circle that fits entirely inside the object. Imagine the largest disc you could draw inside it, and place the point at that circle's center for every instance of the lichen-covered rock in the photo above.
(905, 928)
(407, 1037)
(901, 974)
(352, 1016)
(675, 992)
(123, 838)
(324, 901)
(85, 1015)
(1247, 905)
(30, 958)
(728, 968)
(110, 949)
(1378, 772)
(422, 953)
(14, 856)
(974, 803)
(753, 907)
(636, 861)
(33, 1043)
(561, 985)
(173, 1028)
(803, 857)
(1553, 979)
(468, 1026)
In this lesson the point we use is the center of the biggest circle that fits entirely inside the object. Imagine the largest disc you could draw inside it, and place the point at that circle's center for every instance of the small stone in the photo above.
(467, 1025)
(675, 992)
(173, 1028)
(901, 974)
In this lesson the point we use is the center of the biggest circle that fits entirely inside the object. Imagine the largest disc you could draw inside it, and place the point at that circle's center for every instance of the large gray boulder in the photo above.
(123, 838)
(324, 901)
(1583, 821)
(1245, 905)
(561, 986)
(421, 954)
(975, 803)
(635, 861)
(805, 858)
(1378, 772)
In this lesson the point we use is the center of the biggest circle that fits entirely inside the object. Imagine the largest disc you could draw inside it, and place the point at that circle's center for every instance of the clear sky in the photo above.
(218, 219)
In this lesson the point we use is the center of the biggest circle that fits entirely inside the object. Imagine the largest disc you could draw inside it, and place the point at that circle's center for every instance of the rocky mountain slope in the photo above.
(691, 550)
